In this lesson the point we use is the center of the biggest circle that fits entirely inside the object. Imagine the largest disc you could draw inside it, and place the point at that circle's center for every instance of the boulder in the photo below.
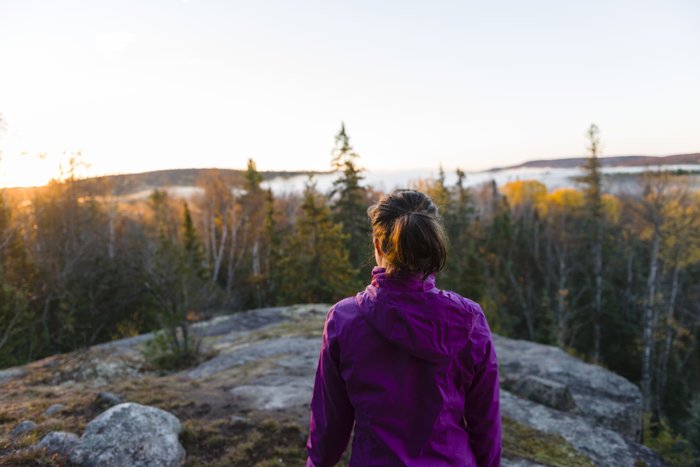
(600, 396)
(131, 435)
(58, 442)
(602, 445)
(547, 392)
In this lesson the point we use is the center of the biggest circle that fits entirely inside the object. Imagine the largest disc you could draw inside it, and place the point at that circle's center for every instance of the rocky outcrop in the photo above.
(595, 410)
(130, 435)
(600, 397)
(264, 362)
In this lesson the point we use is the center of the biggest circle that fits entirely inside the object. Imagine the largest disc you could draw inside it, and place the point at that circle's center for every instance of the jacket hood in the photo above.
(410, 312)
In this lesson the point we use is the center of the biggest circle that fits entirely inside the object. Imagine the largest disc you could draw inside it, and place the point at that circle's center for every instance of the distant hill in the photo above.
(614, 161)
(124, 184)
(131, 183)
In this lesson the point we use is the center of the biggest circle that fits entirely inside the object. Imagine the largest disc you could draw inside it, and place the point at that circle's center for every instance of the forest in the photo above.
(612, 279)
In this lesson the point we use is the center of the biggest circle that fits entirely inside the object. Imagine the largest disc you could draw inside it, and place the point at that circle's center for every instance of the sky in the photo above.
(134, 86)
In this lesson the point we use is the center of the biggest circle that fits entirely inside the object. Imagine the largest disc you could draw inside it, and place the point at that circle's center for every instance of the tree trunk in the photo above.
(561, 302)
(648, 322)
(598, 271)
(666, 352)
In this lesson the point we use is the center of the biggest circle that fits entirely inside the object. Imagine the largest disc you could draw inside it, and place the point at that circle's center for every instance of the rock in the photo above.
(58, 442)
(54, 409)
(272, 397)
(10, 374)
(131, 435)
(239, 322)
(544, 391)
(23, 428)
(301, 355)
(519, 463)
(601, 396)
(602, 445)
(105, 400)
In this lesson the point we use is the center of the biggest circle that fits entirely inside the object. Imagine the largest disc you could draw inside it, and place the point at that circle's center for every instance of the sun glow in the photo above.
(26, 169)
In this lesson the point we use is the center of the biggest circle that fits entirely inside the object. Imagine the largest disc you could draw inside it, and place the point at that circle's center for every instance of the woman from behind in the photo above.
(410, 366)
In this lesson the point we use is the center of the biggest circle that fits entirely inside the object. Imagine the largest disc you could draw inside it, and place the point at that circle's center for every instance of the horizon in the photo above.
(430, 172)
(137, 88)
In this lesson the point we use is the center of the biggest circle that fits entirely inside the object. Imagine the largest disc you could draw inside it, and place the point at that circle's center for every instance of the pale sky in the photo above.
(144, 85)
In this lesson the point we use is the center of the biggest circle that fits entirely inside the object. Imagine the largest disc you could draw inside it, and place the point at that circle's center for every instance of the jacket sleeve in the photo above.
(332, 414)
(482, 406)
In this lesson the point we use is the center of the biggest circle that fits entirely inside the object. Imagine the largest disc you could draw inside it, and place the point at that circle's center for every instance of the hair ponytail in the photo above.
(410, 232)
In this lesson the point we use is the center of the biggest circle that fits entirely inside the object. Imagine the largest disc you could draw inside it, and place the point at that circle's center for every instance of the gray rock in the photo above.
(296, 348)
(296, 392)
(602, 445)
(241, 321)
(10, 374)
(58, 442)
(601, 396)
(54, 409)
(544, 391)
(519, 463)
(23, 428)
(131, 435)
(105, 400)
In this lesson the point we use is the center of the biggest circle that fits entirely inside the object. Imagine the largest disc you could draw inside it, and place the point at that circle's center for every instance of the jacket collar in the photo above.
(402, 280)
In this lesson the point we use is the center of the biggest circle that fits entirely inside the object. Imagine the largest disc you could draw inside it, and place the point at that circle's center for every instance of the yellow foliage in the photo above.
(611, 207)
(523, 192)
(563, 199)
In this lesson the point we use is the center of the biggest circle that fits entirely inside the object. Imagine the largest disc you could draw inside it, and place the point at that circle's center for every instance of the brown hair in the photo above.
(410, 232)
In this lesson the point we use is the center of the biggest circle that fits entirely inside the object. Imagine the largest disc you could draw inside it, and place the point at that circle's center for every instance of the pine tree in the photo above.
(350, 202)
(462, 271)
(176, 279)
(194, 251)
(593, 194)
(316, 267)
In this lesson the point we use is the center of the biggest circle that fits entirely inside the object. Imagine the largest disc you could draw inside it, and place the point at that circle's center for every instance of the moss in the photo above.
(523, 442)
(243, 443)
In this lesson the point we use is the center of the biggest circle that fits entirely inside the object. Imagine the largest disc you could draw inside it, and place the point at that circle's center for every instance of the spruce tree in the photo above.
(316, 267)
(593, 195)
(462, 271)
(194, 251)
(350, 204)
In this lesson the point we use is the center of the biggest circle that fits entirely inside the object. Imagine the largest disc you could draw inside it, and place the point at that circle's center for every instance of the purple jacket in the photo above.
(414, 369)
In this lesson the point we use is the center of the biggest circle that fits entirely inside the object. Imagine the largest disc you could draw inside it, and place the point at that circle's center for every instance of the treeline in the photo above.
(612, 279)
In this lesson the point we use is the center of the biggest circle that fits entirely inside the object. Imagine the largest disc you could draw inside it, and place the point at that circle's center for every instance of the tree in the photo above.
(350, 201)
(219, 216)
(316, 267)
(194, 252)
(593, 194)
(462, 271)
(16, 274)
(177, 282)
(253, 209)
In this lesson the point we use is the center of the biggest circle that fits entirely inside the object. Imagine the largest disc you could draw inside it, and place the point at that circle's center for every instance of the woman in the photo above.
(411, 366)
